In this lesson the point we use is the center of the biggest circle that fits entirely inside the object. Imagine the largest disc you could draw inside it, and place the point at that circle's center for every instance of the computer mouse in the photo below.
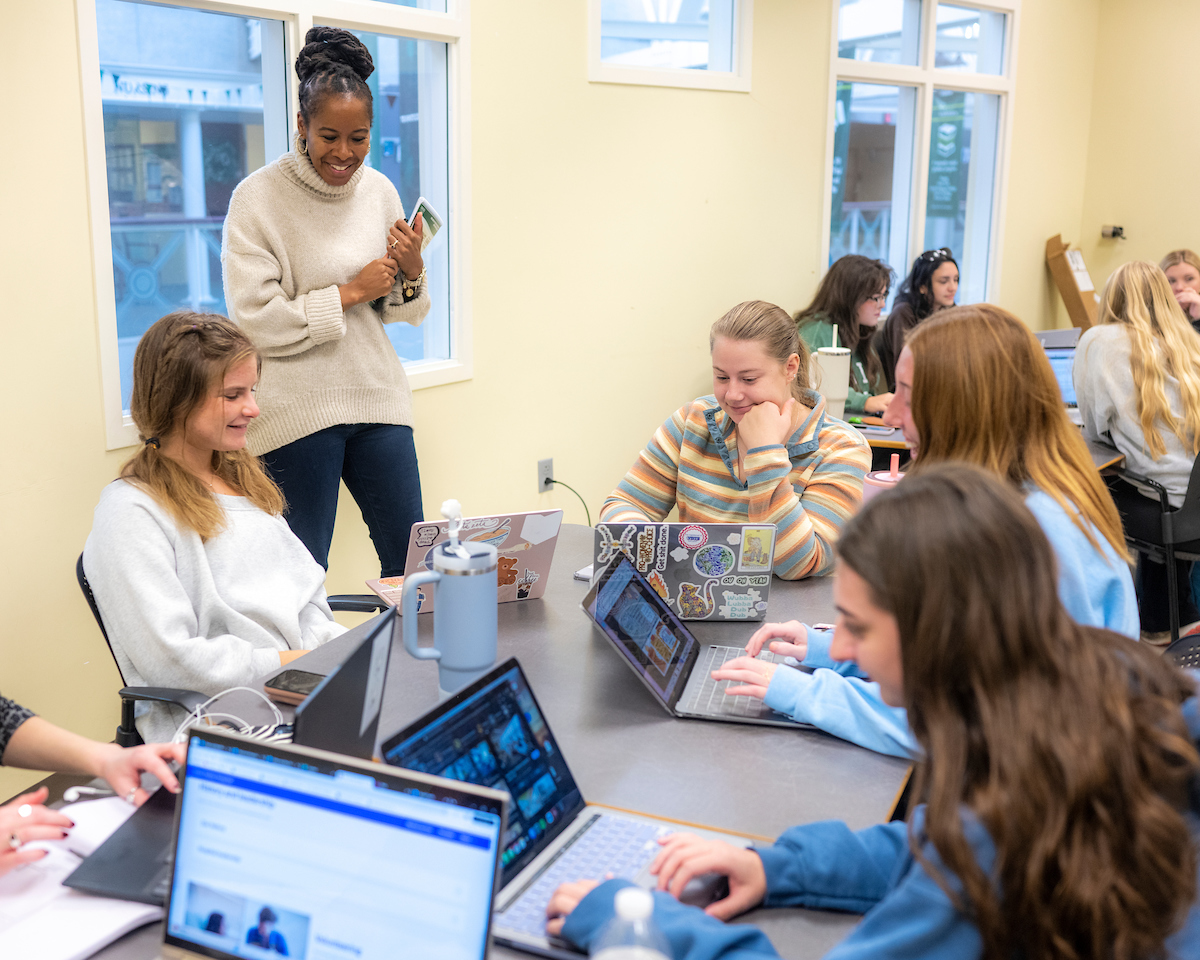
(704, 889)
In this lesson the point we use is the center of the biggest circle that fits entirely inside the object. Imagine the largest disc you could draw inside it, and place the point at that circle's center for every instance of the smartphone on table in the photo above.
(292, 686)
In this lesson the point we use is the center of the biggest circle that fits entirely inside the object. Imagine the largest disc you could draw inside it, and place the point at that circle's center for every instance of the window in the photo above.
(182, 102)
(673, 43)
(919, 133)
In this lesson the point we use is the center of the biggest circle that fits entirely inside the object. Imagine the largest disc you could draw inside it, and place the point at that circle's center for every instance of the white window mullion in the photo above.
(920, 193)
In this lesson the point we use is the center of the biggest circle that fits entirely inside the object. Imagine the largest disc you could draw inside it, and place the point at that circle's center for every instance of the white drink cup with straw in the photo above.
(831, 376)
(879, 480)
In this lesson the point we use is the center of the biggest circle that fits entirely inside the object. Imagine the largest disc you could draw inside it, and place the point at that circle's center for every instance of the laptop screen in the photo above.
(1062, 362)
(494, 734)
(281, 853)
(643, 628)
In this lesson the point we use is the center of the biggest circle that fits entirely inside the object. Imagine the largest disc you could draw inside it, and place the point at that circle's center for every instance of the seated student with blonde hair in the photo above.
(199, 580)
(1182, 268)
(973, 385)
(761, 449)
(1137, 381)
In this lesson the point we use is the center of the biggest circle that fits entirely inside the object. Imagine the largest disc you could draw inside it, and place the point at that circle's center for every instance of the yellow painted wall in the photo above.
(612, 224)
(1144, 141)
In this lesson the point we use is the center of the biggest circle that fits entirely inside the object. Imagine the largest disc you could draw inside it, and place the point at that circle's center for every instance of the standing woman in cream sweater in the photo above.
(317, 257)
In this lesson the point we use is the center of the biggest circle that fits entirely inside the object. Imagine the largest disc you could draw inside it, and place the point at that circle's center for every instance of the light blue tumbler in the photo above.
(464, 616)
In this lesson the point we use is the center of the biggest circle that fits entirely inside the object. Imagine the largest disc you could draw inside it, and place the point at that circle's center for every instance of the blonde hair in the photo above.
(769, 325)
(983, 393)
(1162, 342)
(177, 363)
(1176, 257)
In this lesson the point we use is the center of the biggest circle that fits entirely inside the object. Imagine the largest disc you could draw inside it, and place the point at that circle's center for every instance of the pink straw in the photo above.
(895, 471)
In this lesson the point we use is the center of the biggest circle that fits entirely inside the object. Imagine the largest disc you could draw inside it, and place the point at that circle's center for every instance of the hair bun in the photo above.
(330, 48)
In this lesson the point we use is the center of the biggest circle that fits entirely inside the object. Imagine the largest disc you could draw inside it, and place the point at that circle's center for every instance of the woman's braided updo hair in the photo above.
(332, 62)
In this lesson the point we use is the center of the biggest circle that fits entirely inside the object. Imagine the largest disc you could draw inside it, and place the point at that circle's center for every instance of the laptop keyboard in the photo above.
(709, 699)
(608, 845)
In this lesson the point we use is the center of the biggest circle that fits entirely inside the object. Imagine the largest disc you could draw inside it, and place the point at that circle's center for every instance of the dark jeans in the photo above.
(378, 461)
(1142, 518)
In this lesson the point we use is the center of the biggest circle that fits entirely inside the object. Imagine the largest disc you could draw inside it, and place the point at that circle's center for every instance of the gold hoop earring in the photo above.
(301, 146)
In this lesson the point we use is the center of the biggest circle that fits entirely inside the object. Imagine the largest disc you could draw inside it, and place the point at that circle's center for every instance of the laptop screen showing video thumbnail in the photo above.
(498, 738)
(1062, 362)
(652, 638)
(284, 855)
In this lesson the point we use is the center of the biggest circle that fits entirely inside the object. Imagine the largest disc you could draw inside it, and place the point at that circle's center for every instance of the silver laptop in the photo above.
(494, 733)
(704, 571)
(289, 851)
(671, 663)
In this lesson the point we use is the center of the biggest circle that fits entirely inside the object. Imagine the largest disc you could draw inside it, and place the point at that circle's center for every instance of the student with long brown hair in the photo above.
(850, 299)
(972, 384)
(1137, 380)
(200, 582)
(1054, 773)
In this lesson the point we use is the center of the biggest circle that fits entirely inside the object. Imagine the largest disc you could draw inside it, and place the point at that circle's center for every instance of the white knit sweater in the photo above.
(290, 241)
(203, 616)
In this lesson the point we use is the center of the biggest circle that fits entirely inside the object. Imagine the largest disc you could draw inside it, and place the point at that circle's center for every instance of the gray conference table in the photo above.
(624, 750)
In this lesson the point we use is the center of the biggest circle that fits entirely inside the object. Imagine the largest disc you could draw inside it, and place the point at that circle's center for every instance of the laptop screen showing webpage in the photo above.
(494, 734)
(1062, 362)
(282, 853)
(643, 628)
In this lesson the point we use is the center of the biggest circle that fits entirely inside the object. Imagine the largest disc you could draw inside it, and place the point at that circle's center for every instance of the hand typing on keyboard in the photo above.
(752, 677)
(790, 639)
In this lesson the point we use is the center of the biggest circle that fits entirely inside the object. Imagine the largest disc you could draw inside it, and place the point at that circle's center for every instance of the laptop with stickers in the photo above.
(524, 545)
(671, 663)
(703, 571)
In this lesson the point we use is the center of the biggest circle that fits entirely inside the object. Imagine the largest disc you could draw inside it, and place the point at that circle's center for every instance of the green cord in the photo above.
(586, 512)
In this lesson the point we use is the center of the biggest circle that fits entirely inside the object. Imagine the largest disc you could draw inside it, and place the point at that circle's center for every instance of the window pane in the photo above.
(882, 31)
(183, 95)
(969, 41)
(962, 172)
(438, 5)
(872, 172)
(409, 145)
(683, 34)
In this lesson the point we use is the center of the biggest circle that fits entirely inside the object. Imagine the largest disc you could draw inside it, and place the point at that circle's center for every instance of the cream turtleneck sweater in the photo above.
(290, 240)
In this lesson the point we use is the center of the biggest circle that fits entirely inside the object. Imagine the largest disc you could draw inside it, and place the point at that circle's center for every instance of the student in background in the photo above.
(759, 450)
(1182, 268)
(931, 285)
(200, 582)
(1054, 772)
(849, 300)
(974, 385)
(1137, 382)
(30, 742)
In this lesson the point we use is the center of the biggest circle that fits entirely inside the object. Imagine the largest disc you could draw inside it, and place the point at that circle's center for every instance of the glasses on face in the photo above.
(879, 298)
(932, 255)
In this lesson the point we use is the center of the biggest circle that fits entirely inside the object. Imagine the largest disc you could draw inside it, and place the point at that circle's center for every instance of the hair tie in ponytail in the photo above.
(153, 442)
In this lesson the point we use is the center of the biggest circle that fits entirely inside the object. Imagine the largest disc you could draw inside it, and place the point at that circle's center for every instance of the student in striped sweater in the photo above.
(761, 449)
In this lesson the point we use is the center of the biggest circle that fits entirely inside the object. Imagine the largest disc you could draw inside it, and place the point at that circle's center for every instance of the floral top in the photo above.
(12, 715)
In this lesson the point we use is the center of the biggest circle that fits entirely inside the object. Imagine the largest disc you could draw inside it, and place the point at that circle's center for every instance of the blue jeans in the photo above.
(378, 461)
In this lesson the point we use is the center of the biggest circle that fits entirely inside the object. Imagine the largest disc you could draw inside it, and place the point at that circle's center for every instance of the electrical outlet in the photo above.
(545, 474)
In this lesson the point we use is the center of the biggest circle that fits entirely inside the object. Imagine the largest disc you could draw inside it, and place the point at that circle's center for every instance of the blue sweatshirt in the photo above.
(1094, 586)
(827, 866)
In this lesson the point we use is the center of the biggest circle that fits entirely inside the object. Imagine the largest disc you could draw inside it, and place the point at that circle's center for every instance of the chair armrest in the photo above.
(357, 602)
(1136, 479)
(188, 699)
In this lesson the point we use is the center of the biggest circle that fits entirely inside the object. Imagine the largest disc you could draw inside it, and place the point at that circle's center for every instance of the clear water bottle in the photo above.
(632, 933)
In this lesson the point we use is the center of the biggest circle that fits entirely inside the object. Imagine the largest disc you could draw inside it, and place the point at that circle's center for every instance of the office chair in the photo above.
(1185, 652)
(127, 734)
(1179, 536)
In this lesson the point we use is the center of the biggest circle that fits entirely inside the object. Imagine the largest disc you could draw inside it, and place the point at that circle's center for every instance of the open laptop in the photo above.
(524, 545)
(494, 733)
(282, 850)
(705, 571)
(671, 663)
(342, 714)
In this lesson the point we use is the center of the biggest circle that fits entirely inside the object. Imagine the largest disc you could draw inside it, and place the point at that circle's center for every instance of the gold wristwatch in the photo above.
(410, 286)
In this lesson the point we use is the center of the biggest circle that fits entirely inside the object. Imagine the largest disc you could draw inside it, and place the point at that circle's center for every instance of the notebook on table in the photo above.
(495, 733)
(283, 850)
(671, 663)
(524, 545)
(704, 571)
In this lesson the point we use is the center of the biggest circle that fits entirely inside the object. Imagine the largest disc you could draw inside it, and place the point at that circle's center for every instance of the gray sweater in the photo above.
(1107, 401)
(202, 616)
(290, 240)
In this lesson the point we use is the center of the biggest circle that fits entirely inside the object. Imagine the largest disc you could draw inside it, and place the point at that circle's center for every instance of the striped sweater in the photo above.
(808, 488)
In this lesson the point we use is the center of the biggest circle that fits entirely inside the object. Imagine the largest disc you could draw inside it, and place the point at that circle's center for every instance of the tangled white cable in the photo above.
(201, 713)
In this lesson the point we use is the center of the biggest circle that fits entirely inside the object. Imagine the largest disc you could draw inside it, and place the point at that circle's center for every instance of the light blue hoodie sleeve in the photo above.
(1094, 585)
(847, 707)
(819, 642)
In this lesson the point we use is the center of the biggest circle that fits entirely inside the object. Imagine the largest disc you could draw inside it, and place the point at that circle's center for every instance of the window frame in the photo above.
(451, 28)
(736, 81)
(924, 77)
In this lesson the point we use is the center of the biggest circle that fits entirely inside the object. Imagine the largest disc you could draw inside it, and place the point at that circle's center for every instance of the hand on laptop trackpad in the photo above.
(705, 889)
